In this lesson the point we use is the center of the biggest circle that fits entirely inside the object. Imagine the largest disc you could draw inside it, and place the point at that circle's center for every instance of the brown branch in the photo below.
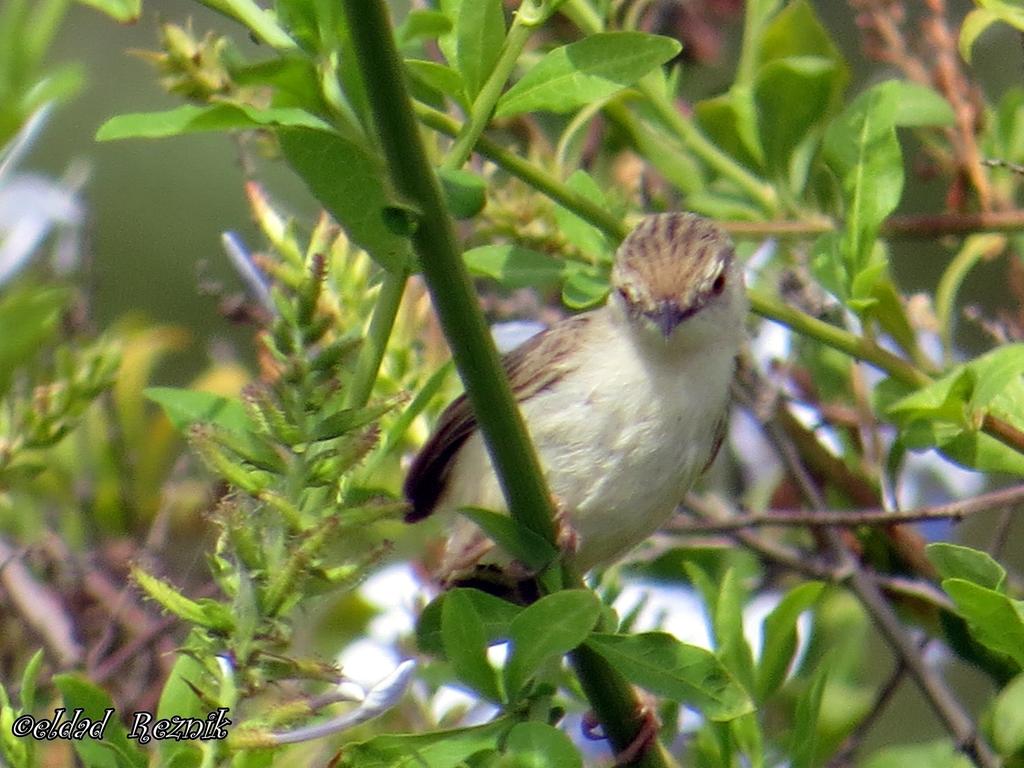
(869, 592)
(40, 607)
(956, 510)
(899, 227)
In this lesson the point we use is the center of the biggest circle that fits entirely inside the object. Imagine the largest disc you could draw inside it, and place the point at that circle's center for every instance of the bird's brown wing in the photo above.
(550, 358)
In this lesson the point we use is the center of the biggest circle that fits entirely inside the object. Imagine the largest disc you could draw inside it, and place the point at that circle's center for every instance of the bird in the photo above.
(626, 405)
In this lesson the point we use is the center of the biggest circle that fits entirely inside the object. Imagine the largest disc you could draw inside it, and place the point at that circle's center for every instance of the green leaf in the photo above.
(494, 613)
(190, 118)
(465, 644)
(345, 420)
(586, 71)
(731, 120)
(349, 181)
(953, 561)
(114, 750)
(439, 77)
(514, 267)
(658, 662)
(778, 634)
(440, 749)
(584, 286)
(464, 191)
(422, 24)
(524, 545)
(792, 96)
(479, 33)
(974, 23)
(804, 742)
(124, 11)
(797, 31)
(539, 745)
(585, 236)
(204, 613)
(185, 407)
(29, 680)
(862, 149)
(994, 619)
(994, 373)
(178, 698)
(28, 318)
(935, 754)
(1008, 718)
(552, 626)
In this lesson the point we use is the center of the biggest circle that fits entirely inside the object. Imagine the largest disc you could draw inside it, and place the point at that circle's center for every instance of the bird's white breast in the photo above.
(621, 438)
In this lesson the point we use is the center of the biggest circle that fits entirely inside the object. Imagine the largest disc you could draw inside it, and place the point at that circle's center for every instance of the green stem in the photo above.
(372, 352)
(687, 131)
(838, 338)
(531, 174)
(445, 273)
(483, 105)
(475, 356)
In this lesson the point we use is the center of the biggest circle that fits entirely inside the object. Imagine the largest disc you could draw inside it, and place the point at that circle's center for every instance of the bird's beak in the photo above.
(668, 316)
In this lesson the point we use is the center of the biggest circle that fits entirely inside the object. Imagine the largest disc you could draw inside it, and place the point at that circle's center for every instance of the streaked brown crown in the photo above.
(671, 257)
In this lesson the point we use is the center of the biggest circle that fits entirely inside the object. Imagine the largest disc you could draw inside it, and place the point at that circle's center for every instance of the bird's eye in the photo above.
(719, 285)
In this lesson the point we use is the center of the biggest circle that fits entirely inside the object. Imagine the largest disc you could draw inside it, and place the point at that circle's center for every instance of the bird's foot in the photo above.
(566, 538)
(645, 736)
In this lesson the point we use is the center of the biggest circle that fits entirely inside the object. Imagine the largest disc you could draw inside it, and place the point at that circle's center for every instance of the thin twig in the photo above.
(868, 591)
(852, 743)
(955, 510)
(39, 606)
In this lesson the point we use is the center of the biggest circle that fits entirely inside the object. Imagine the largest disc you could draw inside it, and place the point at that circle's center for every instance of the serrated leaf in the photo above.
(586, 71)
(539, 745)
(552, 626)
(778, 634)
(494, 613)
(440, 749)
(658, 662)
(190, 118)
(514, 267)
(994, 619)
(465, 644)
(185, 407)
(114, 750)
(954, 561)
(204, 613)
(350, 182)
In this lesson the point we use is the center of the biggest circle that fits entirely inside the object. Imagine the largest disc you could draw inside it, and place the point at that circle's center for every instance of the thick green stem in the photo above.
(483, 105)
(475, 356)
(376, 341)
(446, 276)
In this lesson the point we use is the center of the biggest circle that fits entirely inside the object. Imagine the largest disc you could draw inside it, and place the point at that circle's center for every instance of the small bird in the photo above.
(626, 405)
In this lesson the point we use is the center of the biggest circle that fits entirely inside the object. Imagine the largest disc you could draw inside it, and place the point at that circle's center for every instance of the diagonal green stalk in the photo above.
(475, 356)
(446, 275)
(372, 352)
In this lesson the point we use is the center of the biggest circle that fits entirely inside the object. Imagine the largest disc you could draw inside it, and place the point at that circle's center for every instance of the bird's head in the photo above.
(675, 268)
